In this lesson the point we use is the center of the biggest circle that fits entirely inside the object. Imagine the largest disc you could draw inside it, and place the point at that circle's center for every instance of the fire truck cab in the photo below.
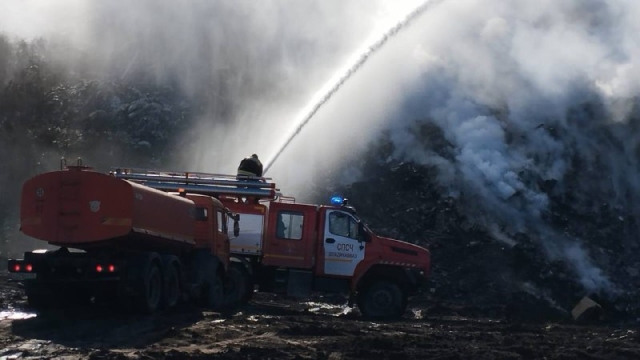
(299, 248)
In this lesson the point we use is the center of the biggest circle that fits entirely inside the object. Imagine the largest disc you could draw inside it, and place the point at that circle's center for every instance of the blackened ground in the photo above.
(486, 299)
(272, 327)
(475, 268)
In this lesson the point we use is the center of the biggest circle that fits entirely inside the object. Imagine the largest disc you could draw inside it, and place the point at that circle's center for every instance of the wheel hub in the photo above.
(382, 299)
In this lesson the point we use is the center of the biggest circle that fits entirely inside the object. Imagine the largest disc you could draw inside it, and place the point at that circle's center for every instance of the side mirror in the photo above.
(236, 223)
(363, 235)
(236, 228)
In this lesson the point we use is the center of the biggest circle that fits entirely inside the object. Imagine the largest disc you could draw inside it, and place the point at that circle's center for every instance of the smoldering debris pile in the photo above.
(479, 264)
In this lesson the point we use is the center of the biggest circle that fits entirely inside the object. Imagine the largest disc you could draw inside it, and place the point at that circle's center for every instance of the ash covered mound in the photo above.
(584, 245)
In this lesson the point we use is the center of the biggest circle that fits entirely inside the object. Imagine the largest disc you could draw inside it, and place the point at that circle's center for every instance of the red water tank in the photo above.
(78, 207)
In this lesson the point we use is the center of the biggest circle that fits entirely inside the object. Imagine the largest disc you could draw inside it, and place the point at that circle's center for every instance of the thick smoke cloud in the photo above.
(524, 92)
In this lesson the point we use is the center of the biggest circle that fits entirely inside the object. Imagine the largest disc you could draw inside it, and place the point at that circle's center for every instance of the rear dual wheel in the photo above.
(154, 282)
(172, 282)
(150, 294)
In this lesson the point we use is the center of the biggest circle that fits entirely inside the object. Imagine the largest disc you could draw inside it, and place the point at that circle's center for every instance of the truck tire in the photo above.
(172, 282)
(214, 293)
(382, 300)
(143, 283)
(152, 289)
(239, 285)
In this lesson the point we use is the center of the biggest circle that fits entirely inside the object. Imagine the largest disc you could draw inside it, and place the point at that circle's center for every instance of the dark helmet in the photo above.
(254, 156)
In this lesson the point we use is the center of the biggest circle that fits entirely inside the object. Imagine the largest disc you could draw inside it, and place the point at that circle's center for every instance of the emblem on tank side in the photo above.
(94, 205)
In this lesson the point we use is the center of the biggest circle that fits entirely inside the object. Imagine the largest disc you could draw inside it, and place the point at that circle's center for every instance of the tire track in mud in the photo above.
(215, 347)
(279, 328)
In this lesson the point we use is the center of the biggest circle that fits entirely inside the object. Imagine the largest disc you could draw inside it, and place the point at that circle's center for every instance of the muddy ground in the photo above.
(271, 327)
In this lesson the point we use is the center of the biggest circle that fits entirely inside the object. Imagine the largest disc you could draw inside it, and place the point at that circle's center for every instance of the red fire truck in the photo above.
(295, 249)
(120, 241)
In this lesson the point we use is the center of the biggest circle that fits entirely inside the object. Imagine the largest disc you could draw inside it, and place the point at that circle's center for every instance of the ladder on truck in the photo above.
(259, 188)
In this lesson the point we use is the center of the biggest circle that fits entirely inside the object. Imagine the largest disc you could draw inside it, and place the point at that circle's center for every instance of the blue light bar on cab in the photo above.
(337, 200)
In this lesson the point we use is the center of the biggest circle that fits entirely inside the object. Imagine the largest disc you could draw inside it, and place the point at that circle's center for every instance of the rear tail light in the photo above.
(105, 268)
(19, 266)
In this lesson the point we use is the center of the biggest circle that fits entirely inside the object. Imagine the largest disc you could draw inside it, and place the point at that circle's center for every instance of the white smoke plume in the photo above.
(250, 64)
(520, 89)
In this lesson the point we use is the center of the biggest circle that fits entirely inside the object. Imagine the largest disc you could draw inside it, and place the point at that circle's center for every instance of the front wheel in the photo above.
(214, 293)
(382, 300)
(239, 285)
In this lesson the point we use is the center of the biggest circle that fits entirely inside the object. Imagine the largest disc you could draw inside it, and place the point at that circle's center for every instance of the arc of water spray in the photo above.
(351, 70)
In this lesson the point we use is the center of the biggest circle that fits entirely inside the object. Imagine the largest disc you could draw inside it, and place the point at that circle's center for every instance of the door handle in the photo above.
(330, 240)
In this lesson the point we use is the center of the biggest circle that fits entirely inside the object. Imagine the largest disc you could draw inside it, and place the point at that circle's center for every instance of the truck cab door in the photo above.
(343, 245)
(222, 238)
(290, 238)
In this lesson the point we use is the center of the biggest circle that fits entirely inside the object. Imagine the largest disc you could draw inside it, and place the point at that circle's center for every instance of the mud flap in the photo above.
(207, 287)
(299, 283)
(39, 296)
(202, 267)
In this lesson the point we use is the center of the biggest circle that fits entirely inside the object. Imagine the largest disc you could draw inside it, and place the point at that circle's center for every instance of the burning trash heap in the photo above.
(579, 261)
